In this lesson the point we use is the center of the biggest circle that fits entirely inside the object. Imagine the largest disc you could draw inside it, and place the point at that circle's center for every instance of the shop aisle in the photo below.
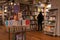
(30, 35)
(40, 36)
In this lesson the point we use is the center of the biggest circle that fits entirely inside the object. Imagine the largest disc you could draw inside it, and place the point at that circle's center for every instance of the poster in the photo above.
(16, 8)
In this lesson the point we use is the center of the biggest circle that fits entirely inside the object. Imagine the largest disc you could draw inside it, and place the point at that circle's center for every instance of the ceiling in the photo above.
(4, 1)
(19, 0)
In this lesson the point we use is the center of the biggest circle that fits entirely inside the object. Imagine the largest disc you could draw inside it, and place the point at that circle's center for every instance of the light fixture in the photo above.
(11, 3)
(14, 3)
(5, 10)
(49, 6)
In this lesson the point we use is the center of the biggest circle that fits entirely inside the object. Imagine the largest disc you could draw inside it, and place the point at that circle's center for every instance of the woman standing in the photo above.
(40, 18)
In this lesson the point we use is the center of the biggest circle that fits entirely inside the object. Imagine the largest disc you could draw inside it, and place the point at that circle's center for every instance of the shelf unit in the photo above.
(29, 14)
(51, 22)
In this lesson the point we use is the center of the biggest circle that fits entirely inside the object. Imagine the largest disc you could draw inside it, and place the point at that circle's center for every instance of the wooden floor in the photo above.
(33, 35)
(40, 36)
(3, 34)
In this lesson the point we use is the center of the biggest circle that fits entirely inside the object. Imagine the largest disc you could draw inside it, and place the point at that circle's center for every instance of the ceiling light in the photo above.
(5, 10)
(49, 6)
(11, 3)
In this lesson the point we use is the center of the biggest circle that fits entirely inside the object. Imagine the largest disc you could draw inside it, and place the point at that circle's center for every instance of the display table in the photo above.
(18, 32)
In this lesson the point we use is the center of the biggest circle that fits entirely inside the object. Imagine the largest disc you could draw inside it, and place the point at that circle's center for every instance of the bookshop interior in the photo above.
(29, 19)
